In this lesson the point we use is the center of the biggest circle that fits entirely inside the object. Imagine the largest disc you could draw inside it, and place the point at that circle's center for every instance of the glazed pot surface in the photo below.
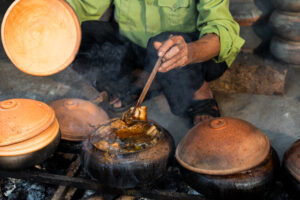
(222, 146)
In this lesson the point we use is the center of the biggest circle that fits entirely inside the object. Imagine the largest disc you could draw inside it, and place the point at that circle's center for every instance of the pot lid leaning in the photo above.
(292, 160)
(22, 119)
(222, 146)
(78, 118)
(41, 37)
(33, 144)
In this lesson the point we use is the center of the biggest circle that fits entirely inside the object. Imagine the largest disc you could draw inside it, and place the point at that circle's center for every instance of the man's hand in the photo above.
(174, 53)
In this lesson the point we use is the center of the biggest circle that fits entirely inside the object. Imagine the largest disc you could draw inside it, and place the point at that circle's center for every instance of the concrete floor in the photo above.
(277, 116)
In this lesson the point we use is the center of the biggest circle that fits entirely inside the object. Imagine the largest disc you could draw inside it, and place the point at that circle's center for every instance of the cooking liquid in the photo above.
(119, 137)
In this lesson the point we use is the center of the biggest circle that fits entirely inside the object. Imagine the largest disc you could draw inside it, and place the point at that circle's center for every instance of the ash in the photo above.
(15, 189)
(12, 189)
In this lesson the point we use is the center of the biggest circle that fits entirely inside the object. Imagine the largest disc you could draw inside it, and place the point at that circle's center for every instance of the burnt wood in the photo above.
(87, 184)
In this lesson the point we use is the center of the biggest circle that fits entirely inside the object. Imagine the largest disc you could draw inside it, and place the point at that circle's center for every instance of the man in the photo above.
(197, 40)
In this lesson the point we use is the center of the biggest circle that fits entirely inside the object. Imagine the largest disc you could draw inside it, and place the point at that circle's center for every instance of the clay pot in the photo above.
(41, 37)
(287, 5)
(29, 133)
(78, 118)
(286, 25)
(248, 12)
(227, 158)
(129, 170)
(285, 51)
(291, 166)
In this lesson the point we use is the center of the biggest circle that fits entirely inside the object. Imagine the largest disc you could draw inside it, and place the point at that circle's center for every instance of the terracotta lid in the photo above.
(222, 146)
(22, 119)
(32, 144)
(41, 37)
(292, 160)
(78, 118)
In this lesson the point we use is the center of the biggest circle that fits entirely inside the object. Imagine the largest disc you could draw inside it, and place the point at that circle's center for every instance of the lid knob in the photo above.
(8, 104)
(70, 104)
(218, 124)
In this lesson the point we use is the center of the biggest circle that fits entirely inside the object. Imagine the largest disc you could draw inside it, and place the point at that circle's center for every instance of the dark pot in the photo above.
(286, 24)
(285, 51)
(30, 159)
(132, 169)
(291, 167)
(246, 184)
(287, 5)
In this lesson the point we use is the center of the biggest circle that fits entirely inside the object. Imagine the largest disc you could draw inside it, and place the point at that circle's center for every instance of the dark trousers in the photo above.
(107, 60)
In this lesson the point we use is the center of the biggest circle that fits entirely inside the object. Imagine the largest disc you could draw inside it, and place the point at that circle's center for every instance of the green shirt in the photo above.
(140, 20)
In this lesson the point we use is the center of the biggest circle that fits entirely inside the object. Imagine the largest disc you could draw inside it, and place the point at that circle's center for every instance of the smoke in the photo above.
(107, 67)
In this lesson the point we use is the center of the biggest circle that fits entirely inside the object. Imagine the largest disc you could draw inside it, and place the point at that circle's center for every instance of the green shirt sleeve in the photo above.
(89, 9)
(214, 17)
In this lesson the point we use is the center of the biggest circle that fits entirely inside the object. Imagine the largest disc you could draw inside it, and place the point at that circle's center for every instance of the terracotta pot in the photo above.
(78, 118)
(41, 37)
(286, 24)
(287, 5)
(22, 119)
(226, 157)
(248, 12)
(285, 51)
(247, 184)
(29, 133)
(291, 166)
(129, 170)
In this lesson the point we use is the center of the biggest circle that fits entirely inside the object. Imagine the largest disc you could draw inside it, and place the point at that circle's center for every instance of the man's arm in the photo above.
(219, 39)
(89, 9)
(177, 53)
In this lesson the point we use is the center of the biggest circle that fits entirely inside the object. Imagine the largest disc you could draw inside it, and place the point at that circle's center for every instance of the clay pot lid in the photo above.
(22, 119)
(78, 118)
(222, 146)
(292, 160)
(33, 144)
(41, 37)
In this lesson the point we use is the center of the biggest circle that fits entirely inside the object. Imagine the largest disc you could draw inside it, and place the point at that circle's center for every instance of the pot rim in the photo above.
(13, 133)
(214, 172)
(161, 130)
(31, 145)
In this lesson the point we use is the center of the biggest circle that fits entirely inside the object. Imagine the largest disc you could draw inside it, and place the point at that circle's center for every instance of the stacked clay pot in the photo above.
(285, 22)
(29, 133)
(227, 158)
(291, 167)
(78, 118)
(252, 17)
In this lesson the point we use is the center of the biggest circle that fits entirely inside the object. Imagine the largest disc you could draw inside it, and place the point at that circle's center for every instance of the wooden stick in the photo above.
(148, 84)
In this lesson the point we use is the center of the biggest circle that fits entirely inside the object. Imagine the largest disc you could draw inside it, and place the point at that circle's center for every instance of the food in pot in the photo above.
(135, 113)
(129, 134)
